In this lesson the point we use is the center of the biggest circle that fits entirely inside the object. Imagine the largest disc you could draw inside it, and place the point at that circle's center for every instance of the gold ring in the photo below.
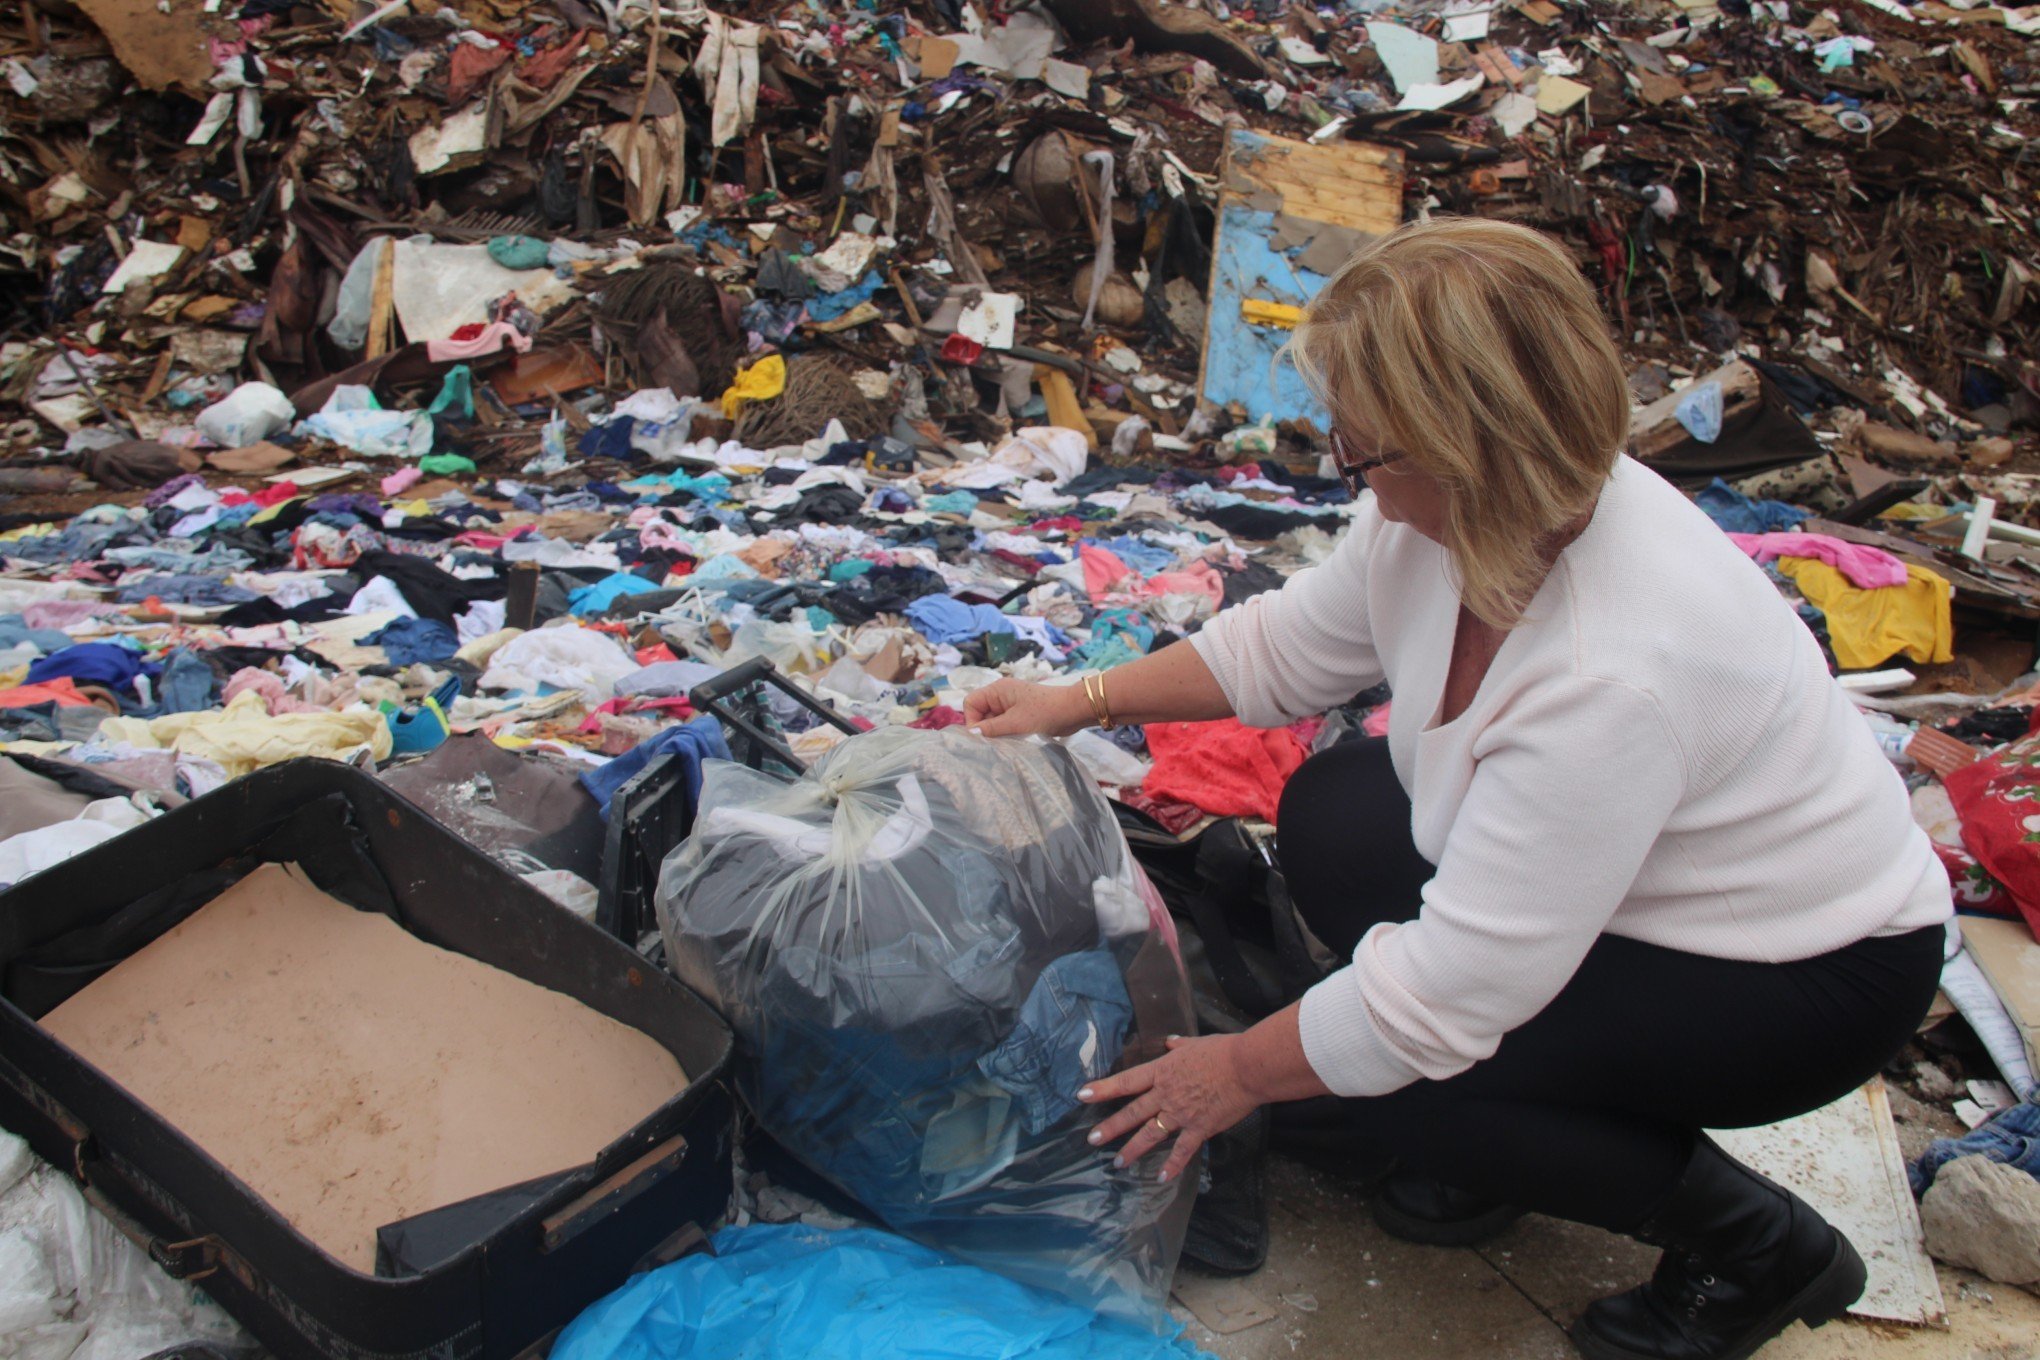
(1165, 1129)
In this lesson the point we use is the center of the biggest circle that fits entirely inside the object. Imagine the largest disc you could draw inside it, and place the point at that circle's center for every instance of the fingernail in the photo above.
(1119, 1163)
(1095, 1137)
(1085, 1094)
(1164, 1178)
(1174, 1037)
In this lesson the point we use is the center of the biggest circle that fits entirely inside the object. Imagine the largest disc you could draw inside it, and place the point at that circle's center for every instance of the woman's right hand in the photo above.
(1017, 708)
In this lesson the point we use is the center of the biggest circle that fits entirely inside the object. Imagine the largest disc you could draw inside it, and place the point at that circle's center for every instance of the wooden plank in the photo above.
(1345, 184)
(1353, 186)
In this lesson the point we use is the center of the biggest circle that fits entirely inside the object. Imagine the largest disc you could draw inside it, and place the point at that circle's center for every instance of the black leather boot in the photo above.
(1743, 1259)
(1417, 1208)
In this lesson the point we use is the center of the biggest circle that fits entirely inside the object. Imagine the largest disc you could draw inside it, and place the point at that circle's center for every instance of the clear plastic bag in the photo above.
(926, 945)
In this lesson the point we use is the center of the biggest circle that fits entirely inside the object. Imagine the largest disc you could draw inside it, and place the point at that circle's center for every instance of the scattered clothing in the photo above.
(1866, 568)
(1223, 767)
(1869, 627)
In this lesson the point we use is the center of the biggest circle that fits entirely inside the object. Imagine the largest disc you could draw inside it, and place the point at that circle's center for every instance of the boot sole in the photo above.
(1828, 1296)
(1431, 1232)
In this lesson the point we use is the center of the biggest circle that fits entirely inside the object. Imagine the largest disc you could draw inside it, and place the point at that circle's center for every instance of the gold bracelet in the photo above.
(1099, 706)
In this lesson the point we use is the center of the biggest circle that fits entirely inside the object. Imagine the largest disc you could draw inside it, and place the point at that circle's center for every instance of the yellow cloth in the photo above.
(1869, 627)
(242, 736)
(760, 382)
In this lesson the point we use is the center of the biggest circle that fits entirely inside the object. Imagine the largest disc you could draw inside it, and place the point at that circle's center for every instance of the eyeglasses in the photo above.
(1354, 470)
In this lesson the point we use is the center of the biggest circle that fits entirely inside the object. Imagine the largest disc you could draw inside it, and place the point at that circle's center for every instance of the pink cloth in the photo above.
(494, 336)
(1867, 568)
(64, 613)
(1103, 570)
(1375, 724)
(1106, 574)
(269, 688)
(399, 482)
(1200, 578)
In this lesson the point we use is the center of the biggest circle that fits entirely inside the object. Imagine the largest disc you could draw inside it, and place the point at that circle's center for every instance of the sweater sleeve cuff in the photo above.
(1342, 1043)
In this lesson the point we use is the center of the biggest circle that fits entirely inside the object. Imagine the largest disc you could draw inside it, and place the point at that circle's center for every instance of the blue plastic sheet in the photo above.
(787, 1292)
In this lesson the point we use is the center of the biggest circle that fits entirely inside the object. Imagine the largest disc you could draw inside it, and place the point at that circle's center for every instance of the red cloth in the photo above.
(1224, 767)
(937, 718)
(471, 67)
(541, 69)
(651, 656)
(1175, 818)
(1998, 798)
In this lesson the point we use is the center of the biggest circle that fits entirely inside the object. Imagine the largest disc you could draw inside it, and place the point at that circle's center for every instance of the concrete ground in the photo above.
(1337, 1287)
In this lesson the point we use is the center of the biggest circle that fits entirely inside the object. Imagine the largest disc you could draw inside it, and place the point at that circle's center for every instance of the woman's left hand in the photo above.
(1195, 1088)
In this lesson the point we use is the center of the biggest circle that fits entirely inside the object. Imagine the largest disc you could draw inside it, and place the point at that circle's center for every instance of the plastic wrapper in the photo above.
(926, 945)
(72, 1288)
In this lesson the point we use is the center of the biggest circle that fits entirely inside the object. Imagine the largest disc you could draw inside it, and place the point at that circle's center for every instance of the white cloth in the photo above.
(1656, 752)
(564, 658)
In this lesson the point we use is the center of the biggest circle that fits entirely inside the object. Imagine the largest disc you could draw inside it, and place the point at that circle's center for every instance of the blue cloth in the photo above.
(193, 590)
(188, 684)
(951, 503)
(829, 306)
(694, 742)
(1070, 1031)
(2012, 1138)
(611, 440)
(413, 640)
(1738, 514)
(606, 592)
(942, 618)
(1142, 556)
(13, 632)
(93, 663)
(777, 1291)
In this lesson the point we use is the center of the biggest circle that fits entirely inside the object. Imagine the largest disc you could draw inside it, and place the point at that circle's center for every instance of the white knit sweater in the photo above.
(1657, 752)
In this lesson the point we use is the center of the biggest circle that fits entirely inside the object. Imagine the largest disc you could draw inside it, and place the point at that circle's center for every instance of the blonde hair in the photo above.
(1476, 349)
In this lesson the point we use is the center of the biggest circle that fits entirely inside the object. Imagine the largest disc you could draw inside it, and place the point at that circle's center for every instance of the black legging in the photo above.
(1588, 1111)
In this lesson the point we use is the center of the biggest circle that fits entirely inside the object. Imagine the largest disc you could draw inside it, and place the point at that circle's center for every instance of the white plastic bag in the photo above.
(73, 1288)
(247, 415)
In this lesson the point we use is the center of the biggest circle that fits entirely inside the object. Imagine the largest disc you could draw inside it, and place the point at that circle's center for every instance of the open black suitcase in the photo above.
(579, 1235)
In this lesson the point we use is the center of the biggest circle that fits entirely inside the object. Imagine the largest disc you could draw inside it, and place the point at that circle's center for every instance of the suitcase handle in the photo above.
(190, 1260)
(604, 1199)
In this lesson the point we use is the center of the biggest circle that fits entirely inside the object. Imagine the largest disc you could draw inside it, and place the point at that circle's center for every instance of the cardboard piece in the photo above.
(452, 142)
(1225, 1307)
(350, 1073)
(263, 457)
(938, 57)
(148, 260)
(162, 43)
(1441, 96)
(1067, 78)
(2010, 958)
(1844, 1160)
(1556, 95)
